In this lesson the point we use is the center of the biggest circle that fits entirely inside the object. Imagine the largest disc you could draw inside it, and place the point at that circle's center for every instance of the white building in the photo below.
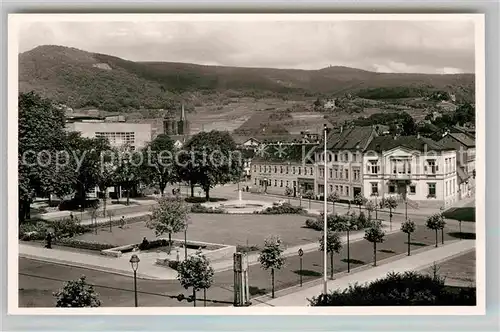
(419, 168)
(135, 135)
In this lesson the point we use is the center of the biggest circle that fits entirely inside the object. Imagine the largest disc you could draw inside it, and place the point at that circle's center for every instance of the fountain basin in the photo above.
(237, 206)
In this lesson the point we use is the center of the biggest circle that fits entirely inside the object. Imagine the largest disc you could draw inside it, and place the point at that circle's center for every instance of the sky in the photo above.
(381, 46)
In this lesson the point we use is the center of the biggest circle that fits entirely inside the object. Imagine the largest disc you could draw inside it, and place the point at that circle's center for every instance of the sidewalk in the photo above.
(121, 266)
(416, 262)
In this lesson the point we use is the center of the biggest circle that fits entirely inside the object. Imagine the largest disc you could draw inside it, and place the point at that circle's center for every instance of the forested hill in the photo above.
(79, 79)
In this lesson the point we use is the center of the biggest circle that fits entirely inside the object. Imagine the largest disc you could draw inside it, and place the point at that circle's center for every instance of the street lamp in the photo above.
(185, 241)
(348, 254)
(134, 261)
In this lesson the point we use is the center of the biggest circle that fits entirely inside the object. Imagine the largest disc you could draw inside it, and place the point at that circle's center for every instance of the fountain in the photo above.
(240, 205)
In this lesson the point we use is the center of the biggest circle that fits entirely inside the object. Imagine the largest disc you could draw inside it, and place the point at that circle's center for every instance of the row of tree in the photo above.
(53, 161)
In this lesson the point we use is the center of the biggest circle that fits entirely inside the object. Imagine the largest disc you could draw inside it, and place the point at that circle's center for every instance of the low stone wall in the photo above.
(214, 252)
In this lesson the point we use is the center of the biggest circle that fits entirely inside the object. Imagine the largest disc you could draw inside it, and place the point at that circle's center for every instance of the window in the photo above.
(311, 170)
(347, 174)
(346, 157)
(356, 174)
(275, 183)
(446, 191)
(336, 173)
(330, 157)
(300, 170)
(275, 169)
(260, 168)
(287, 183)
(293, 170)
(373, 167)
(281, 183)
(431, 166)
(331, 173)
(347, 190)
(374, 188)
(392, 189)
(287, 170)
(336, 189)
(354, 156)
(413, 190)
(336, 157)
(281, 169)
(454, 188)
(431, 190)
(331, 188)
(255, 182)
(255, 168)
(321, 171)
(342, 190)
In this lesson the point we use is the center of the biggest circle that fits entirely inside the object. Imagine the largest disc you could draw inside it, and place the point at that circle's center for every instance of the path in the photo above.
(416, 262)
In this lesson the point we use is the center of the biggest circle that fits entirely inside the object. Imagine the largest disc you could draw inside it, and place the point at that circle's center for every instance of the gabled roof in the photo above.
(463, 139)
(350, 139)
(386, 143)
(241, 139)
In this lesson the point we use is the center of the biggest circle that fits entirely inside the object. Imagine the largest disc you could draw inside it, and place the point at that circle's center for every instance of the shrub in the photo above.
(74, 204)
(284, 208)
(173, 264)
(247, 248)
(153, 244)
(198, 208)
(68, 228)
(203, 199)
(80, 244)
(403, 289)
(362, 222)
(77, 293)
(315, 224)
(33, 231)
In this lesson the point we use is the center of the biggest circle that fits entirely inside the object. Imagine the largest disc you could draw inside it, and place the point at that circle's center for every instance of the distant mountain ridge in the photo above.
(79, 79)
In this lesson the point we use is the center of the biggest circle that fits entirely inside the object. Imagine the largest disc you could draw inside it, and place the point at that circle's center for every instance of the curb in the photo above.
(263, 299)
(89, 267)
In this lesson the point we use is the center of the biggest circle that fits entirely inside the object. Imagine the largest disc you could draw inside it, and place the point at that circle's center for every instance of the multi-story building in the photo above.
(465, 147)
(344, 162)
(119, 134)
(415, 167)
(280, 166)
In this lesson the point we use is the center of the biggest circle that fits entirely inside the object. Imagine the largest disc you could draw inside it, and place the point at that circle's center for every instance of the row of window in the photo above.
(450, 165)
(118, 138)
(284, 169)
(340, 189)
(335, 157)
(450, 189)
(336, 173)
(402, 166)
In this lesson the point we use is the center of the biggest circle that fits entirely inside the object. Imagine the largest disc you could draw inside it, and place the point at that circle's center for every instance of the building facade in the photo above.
(119, 134)
(344, 161)
(419, 169)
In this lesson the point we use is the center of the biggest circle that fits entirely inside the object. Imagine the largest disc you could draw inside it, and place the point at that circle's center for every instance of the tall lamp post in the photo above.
(348, 253)
(325, 213)
(134, 261)
(185, 241)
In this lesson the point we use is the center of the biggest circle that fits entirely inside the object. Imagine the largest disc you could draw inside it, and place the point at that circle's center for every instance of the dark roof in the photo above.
(385, 143)
(464, 139)
(286, 153)
(350, 138)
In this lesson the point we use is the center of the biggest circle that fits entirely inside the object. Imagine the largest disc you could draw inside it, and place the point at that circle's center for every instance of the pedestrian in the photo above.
(71, 216)
(247, 189)
(48, 238)
(122, 222)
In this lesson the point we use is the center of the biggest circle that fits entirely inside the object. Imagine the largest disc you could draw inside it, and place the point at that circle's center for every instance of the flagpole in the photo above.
(325, 225)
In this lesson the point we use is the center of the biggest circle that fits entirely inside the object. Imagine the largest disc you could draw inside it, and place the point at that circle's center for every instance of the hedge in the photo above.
(198, 208)
(284, 208)
(80, 244)
(203, 199)
(147, 245)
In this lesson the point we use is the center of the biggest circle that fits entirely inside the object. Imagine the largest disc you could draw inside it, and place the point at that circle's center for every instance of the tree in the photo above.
(309, 194)
(169, 216)
(106, 179)
(333, 197)
(408, 227)
(288, 192)
(442, 223)
(391, 204)
(77, 294)
(195, 272)
(333, 246)
(360, 200)
(41, 137)
(370, 207)
(211, 158)
(159, 160)
(408, 126)
(434, 223)
(128, 170)
(271, 257)
(375, 235)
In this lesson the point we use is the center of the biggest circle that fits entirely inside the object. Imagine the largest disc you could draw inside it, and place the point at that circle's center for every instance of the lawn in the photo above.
(222, 228)
(462, 213)
(458, 271)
